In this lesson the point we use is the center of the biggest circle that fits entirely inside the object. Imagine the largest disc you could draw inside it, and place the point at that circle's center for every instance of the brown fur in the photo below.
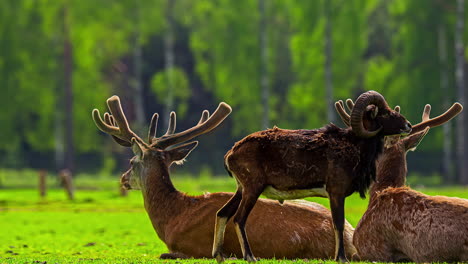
(285, 164)
(401, 224)
(307, 157)
(186, 223)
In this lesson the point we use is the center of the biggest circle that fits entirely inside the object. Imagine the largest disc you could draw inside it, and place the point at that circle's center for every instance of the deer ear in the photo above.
(178, 154)
(137, 148)
(412, 141)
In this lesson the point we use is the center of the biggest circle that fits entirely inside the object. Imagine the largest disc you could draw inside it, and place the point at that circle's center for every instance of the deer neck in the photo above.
(162, 200)
(391, 170)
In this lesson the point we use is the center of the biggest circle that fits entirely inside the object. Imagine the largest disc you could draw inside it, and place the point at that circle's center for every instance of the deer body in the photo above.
(301, 162)
(186, 223)
(328, 162)
(401, 224)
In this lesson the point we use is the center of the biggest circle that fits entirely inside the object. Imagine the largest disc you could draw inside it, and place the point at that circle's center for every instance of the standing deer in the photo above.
(401, 224)
(185, 223)
(289, 164)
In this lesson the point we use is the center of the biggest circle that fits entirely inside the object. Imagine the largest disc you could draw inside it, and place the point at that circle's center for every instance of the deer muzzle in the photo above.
(125, 181)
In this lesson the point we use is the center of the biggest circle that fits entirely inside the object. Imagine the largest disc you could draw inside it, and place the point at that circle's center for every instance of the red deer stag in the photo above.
(401, 224)
(289, 164)
(186, 223)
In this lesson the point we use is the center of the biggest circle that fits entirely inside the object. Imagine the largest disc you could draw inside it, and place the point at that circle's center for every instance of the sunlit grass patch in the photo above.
(101, 226)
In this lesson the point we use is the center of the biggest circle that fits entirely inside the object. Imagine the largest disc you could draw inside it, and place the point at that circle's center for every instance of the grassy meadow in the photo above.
(100, 226)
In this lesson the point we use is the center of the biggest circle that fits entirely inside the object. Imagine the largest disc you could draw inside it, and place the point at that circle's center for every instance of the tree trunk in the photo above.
(264, 84)
(137, 73)
(42, 183)
(68, 93)
(462, 162)
(169, 58)
(447, 168)
(328, 63)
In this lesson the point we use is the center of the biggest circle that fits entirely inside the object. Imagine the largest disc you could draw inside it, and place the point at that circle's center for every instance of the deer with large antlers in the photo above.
(401, 224)
(186, 223)
(289, 164)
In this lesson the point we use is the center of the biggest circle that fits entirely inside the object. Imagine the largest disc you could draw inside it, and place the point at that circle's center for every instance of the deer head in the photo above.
(418, 131)
(371, 115)
(158, 154)
(391, 167)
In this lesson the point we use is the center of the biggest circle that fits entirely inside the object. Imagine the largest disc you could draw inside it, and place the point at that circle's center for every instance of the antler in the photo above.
(339, 106)
(116, 123)
(206, 124)
(453, 111)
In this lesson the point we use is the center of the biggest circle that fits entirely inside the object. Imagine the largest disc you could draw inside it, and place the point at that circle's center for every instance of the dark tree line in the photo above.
(275, 62)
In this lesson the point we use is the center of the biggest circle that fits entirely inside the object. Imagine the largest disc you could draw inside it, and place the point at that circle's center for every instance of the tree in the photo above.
(264, 78)
(328, 63)
(447, 170)
(69, 162)
(460, 81)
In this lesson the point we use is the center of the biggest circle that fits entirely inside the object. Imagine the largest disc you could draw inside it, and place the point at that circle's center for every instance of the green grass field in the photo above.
(100, 226)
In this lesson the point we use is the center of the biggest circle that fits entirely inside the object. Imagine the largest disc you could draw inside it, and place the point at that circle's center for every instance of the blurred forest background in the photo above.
(275, 62)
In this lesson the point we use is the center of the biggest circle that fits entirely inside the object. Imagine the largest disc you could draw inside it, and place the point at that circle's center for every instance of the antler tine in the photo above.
(439, 120)
(109, 119)
(103, 126)
(153, 127)
(212, 122)
(426, 112)
(116, 124)
(172, 124)
(204, 117)
(112, 119)
(339, 106)
(349, 104)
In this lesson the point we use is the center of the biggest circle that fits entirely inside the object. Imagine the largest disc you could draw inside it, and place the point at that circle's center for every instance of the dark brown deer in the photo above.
(186, 223)
(289, 164)
(401, 224)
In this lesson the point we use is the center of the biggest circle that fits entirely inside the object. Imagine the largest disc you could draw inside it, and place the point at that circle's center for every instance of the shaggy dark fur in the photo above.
(359, 154)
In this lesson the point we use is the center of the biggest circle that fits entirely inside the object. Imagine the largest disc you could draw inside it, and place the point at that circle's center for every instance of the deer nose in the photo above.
(407, 127)
(124, 180)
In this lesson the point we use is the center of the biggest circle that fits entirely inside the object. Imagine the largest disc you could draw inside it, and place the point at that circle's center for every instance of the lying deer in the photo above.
(185, 223)
(401, 224)
(289, 164)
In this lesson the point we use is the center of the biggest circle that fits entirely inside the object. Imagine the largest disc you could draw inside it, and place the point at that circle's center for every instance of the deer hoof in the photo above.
(250, 258)
(342, 260)
(219, 258)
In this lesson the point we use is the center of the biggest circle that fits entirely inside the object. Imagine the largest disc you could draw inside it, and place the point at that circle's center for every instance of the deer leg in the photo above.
(222, 217)
(337, 209)
(249, 198)
(173, 255)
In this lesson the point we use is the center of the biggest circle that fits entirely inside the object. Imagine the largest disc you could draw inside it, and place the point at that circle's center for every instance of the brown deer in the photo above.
(401, 224)
(186, 223)
(289, 164)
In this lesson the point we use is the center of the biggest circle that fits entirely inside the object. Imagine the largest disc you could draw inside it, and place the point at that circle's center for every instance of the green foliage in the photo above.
(388, 46)
(181, 90)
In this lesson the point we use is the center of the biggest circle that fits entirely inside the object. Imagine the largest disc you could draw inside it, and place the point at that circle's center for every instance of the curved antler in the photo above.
(452, 112)
(116, 123)
(206, 124)
(339, 107)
